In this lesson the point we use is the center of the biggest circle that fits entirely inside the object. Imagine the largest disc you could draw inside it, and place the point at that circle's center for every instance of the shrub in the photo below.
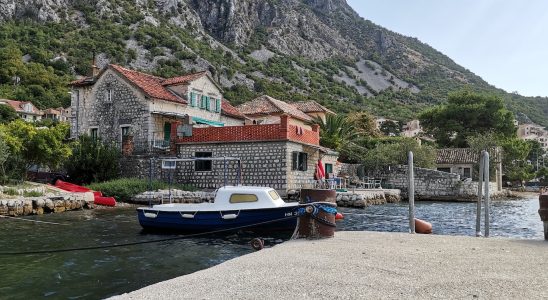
(93, 161)
(10, 191)
(32, 194)
(126, 188)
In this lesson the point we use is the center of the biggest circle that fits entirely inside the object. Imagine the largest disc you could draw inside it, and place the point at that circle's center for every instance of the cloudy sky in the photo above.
(503, 41)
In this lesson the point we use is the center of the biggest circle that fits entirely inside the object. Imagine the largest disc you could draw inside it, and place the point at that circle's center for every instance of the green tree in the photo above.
(395, 153)
(390, 128)
(4, 155)
(466, 114)
(93, 161)
(364, 124)
(29, 145)
(7, 114)
(335, 131)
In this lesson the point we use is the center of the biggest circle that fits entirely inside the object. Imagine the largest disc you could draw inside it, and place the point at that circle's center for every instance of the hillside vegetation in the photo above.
(289, 49)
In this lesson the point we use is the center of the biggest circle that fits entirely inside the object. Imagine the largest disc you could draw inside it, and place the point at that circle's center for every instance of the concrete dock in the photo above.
(372, 265)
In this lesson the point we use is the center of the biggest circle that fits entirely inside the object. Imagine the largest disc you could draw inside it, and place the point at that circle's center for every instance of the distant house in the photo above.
(120, 102)
(412, 129)
(533, 132)
(25, 109)
(313, 109)
(58, 114)
(267, 110)
(458, 161)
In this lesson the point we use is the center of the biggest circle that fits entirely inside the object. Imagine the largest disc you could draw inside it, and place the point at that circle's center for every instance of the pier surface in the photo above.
(372, 265)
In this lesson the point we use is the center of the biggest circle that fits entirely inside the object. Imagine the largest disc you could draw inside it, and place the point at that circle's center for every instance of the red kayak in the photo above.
(98, 196)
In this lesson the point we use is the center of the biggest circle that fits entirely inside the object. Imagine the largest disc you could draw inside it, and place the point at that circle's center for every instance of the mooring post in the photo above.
(480, 187)
(411, 193)
(543, 210)
(486, 182)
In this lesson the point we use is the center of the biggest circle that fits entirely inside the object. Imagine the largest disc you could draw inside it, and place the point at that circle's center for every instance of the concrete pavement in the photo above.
(372, 265)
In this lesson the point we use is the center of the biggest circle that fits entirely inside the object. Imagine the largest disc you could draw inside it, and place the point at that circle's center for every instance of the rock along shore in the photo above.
(372, 265)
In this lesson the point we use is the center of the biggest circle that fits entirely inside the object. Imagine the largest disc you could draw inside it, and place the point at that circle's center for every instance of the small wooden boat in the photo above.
(241, 207)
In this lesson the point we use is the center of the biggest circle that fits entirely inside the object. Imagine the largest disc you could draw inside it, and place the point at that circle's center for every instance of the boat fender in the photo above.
(423, 227)
(257, 244)
(339, 217)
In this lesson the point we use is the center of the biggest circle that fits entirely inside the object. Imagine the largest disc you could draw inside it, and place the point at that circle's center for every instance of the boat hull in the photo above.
(271, 219)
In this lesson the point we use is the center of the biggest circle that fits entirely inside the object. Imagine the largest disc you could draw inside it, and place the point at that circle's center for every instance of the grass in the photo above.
(11, 192)
(32, 194)
(125, 189)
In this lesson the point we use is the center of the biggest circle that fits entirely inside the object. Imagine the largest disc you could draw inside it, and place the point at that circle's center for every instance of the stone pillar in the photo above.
(499, 176)
(284, 127)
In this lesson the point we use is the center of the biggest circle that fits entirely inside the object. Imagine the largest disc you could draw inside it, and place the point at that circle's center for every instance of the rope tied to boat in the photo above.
(314, 209)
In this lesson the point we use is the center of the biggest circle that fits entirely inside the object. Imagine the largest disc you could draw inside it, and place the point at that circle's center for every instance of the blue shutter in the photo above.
(202, 102)
(218, 105)
(208, 106)
(192, 99)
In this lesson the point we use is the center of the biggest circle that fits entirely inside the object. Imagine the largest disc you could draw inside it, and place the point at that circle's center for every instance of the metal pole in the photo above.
(150, 183)
(486, 172)
(480, 187)
(225, 171)
(239, 172)
(170, 180)
(411, 194)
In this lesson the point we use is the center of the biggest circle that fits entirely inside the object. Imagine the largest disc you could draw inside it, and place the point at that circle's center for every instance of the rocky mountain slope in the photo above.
(289, 49)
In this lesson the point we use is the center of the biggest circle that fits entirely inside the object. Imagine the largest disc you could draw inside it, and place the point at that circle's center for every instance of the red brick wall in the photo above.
(303, 135)
(272, 132)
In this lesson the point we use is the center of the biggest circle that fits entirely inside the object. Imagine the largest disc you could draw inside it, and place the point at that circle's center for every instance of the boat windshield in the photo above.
(274, 195)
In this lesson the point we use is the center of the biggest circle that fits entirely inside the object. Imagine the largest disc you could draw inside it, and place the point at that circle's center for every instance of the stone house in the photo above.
(117, 103)
(59, 114)
(25, 109)
(276, 155)
(313, 109)
(535, 133)
(459, 161)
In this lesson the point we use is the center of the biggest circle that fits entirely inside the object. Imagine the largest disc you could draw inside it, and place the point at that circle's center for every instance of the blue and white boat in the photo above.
(237, 207)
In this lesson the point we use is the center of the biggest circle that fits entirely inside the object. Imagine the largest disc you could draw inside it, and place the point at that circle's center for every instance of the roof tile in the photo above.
(268, 105)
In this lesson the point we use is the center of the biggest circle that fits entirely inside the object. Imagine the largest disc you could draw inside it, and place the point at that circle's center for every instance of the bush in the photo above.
(11, 192)
(93, 161)
(32, 194)
(126, 188)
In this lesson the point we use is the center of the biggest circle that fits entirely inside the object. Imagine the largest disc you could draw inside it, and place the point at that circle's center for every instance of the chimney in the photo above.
(94, 68)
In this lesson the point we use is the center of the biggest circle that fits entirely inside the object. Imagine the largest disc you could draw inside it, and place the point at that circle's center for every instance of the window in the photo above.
(274, 195)
(109, 95)
(207, 103)
(328, 168)
(243, 198)
(193, 99)
(299, 161)
(94, 133)
(203, 102)
(467, 173)
(202, 165)
(126, 130)
(218, 105)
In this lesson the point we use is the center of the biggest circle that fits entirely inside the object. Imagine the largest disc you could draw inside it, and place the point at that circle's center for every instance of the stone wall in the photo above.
(348, 169)
(49, 204)
(263, 164)
(128, 107)
(435, 185)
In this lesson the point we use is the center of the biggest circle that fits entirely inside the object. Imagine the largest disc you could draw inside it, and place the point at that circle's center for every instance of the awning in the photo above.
(169, 114)
(207, 122)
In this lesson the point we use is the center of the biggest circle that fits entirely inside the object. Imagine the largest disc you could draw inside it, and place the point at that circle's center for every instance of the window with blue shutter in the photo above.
(203, 102)
(192, 99)
(218, 105)
(208, 106)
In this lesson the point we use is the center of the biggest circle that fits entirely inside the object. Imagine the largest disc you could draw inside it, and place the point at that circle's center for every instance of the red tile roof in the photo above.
(311, 107)
(18, 106)
(183, 79)
(265, 105)
(457, 156)
(149, 84)
(229, 110)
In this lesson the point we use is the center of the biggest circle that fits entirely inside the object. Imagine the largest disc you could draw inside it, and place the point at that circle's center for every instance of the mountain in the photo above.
(289, 49)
